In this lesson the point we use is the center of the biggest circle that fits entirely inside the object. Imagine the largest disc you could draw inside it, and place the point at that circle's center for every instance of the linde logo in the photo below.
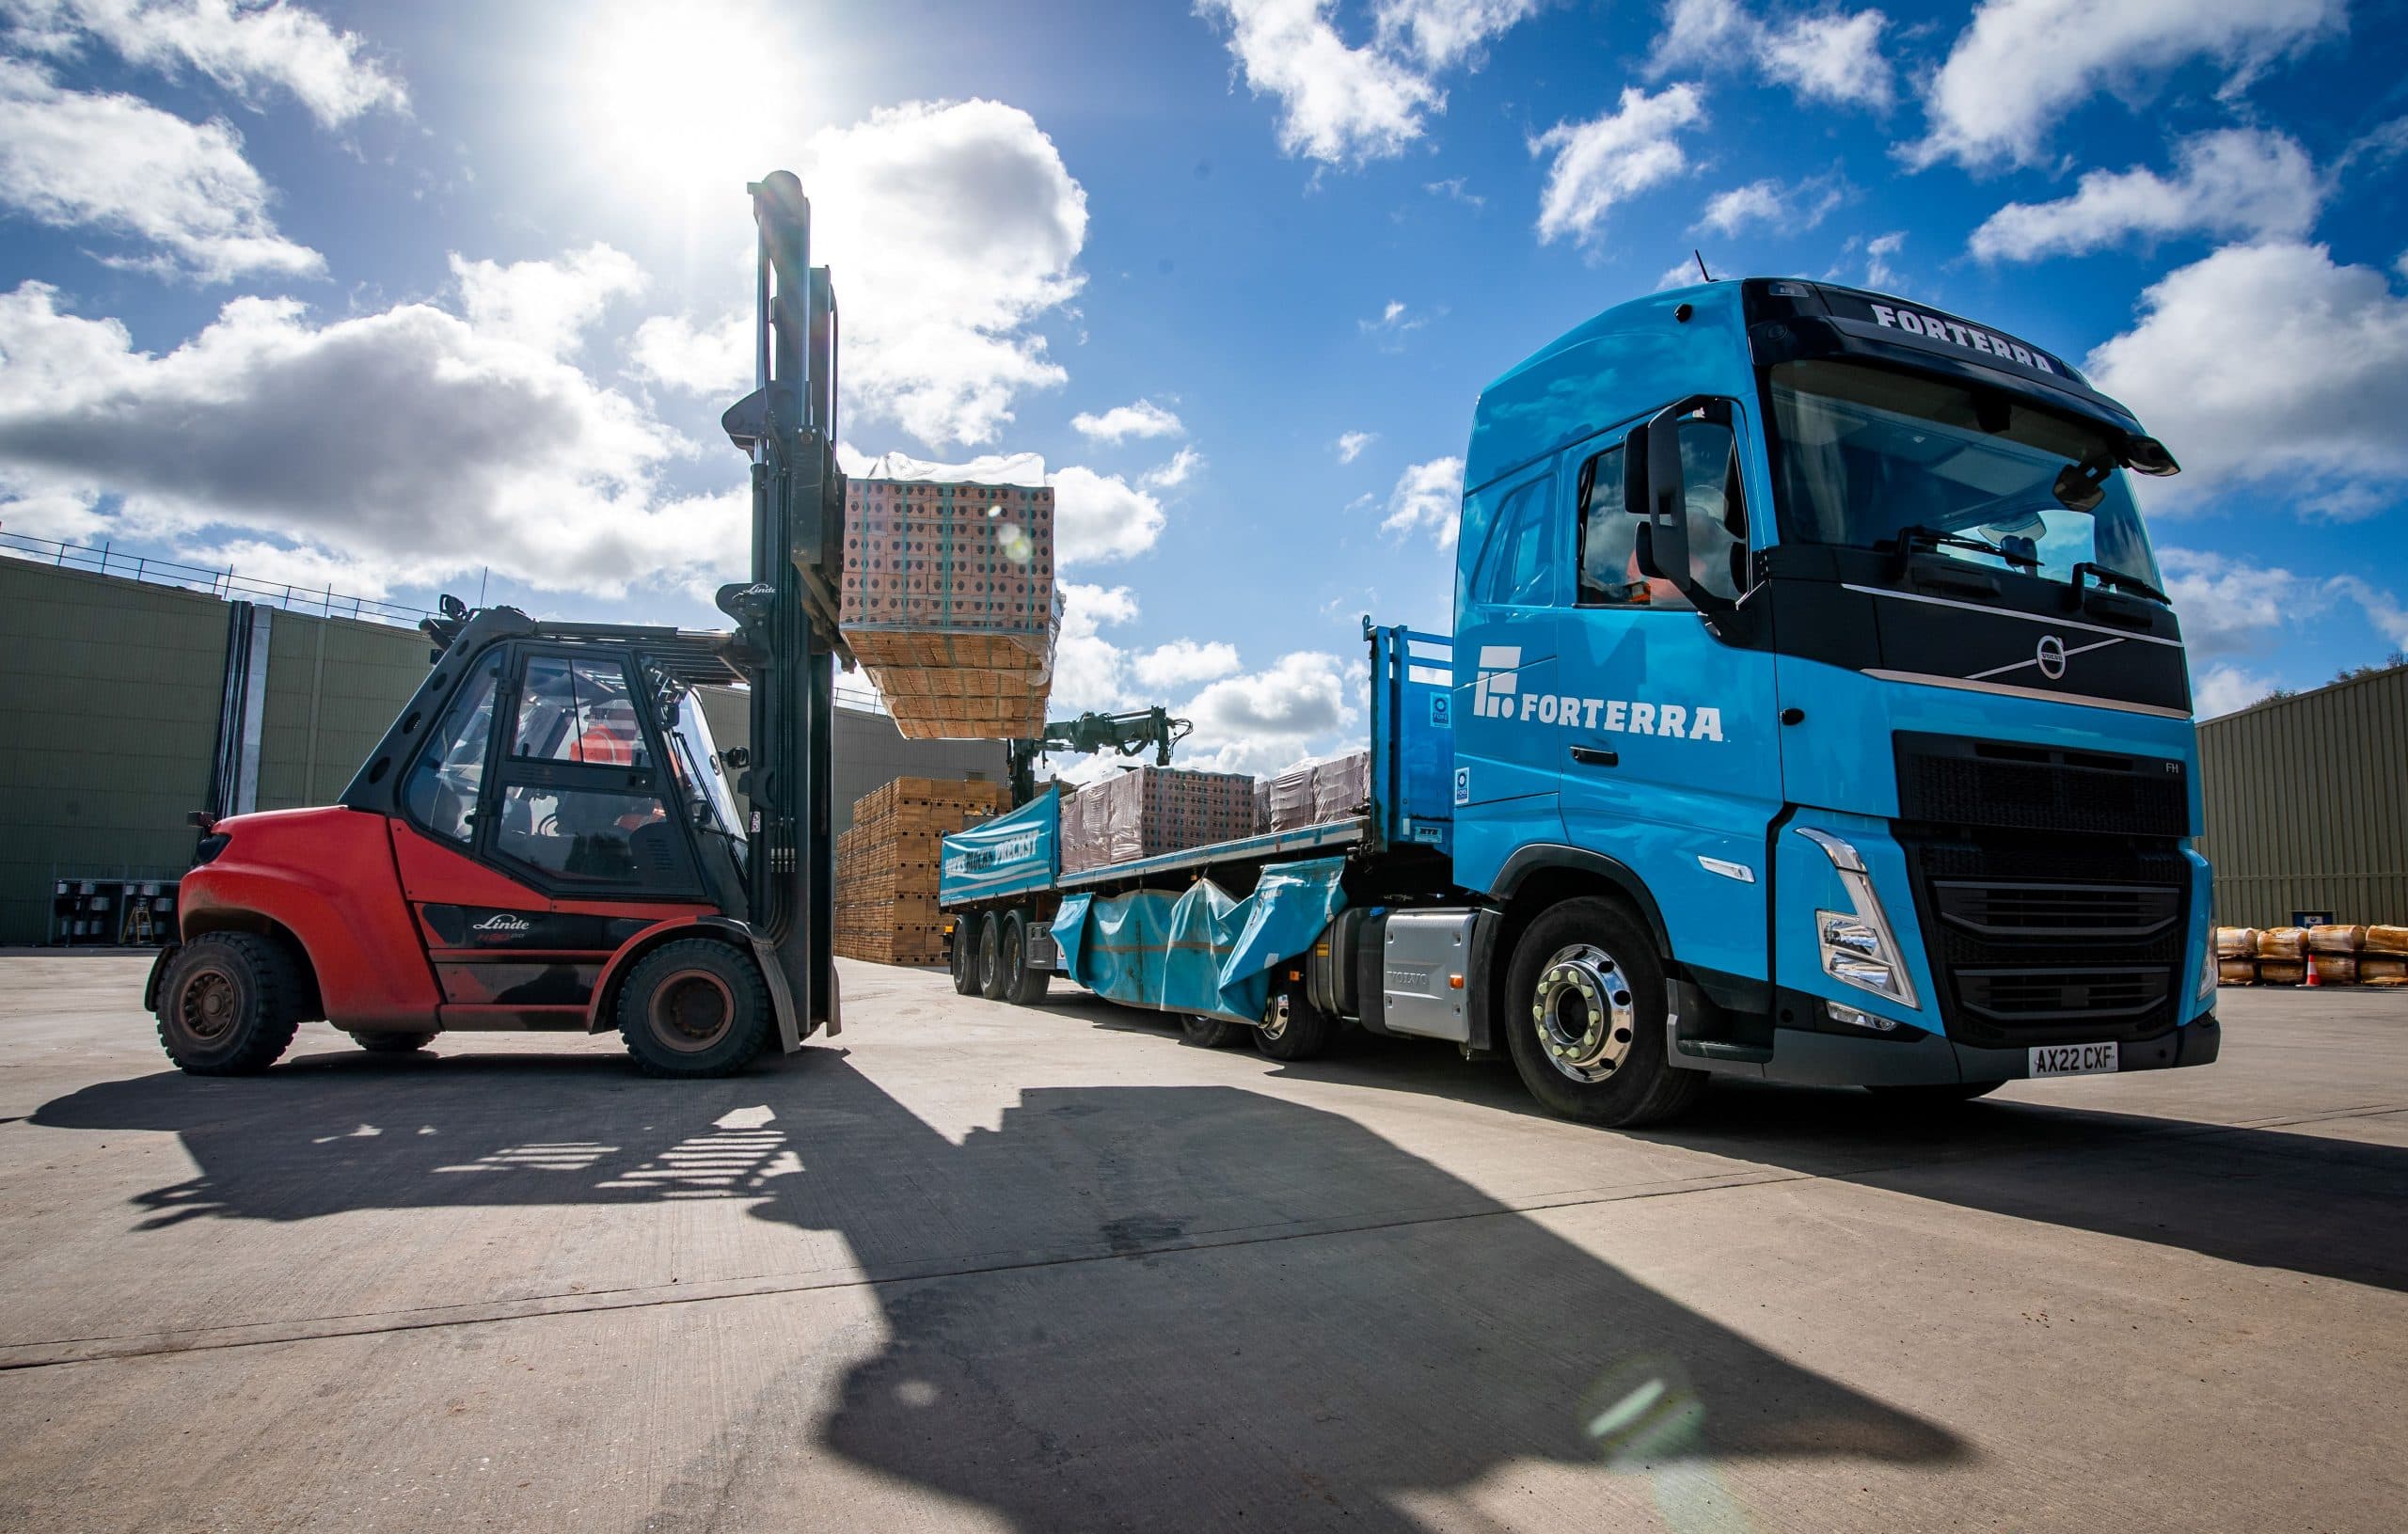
(1496, 693)
(1936, 328)
(1013, 849)
(504, 922)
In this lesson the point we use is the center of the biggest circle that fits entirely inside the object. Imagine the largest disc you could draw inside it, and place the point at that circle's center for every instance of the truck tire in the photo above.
(1584, 1014)
(230, 1004)
(1301, 1034)
(1023, 985)
(386, 1043)
(694, 1007)
(1209, 1033)
(991, 973)
(965, 953)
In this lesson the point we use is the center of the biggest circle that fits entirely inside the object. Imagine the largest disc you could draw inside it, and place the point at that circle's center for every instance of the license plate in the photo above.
(2073, 1059)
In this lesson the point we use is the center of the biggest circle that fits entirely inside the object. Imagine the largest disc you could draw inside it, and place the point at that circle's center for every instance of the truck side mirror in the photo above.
(1651, 481)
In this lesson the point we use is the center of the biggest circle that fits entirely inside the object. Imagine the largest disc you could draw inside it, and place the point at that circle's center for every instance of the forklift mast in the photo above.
(787, 640)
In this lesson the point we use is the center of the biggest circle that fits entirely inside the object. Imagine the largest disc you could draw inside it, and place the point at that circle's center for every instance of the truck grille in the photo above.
(1952, 780)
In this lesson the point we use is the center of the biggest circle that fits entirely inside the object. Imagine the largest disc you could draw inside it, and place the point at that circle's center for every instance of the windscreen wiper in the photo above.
(1917, 537)
(2109, 576)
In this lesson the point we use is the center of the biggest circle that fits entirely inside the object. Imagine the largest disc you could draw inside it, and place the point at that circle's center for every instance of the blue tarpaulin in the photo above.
(1203, 950)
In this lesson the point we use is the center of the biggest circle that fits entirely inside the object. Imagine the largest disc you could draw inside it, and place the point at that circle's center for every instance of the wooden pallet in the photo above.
(968, 718)
(1021, 652)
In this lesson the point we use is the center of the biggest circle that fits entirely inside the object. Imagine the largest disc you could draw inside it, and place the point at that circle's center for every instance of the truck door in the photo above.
(1511, 582)
(1666, 742)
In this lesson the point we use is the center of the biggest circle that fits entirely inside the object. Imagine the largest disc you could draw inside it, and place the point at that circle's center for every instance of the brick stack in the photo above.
(949, 603)
(886, 867)
(1148, 811)
(1321, 792)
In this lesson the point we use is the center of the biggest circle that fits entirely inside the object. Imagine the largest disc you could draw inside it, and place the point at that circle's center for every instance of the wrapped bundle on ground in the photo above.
(2387, 940)
(2336, 940)
(2287, 944)
(2236, 972)
(2236, 942)
(2333, 969)
(1148, 811)
(949, 603)
(2383, 969)
(2281, 972)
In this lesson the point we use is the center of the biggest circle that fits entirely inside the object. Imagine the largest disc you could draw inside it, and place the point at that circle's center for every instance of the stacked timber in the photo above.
(1148, 811)
(949, 603)
(887, 864)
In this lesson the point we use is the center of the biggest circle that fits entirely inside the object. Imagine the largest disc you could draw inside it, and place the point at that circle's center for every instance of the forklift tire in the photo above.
(1209, 1033)
(1023, 985)
(965, 953)
(1584, 1016)
(1303, 1035)
(992, 976)
(695, 1008)
(230, 1004)
(381, 1043)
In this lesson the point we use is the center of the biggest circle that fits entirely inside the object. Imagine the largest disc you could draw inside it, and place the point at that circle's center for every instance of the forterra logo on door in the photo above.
(1497, 694)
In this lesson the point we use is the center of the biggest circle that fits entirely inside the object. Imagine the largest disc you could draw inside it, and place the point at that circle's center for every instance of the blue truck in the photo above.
(1812, 714)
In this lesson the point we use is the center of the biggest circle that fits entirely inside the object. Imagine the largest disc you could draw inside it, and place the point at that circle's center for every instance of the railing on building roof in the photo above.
(227, 584)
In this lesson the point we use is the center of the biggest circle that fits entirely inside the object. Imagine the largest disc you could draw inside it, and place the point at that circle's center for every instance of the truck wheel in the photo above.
(1209, 1033)
(230, 1004)
(1023, 985)
(694, 1007)
(381, 1043)
(991, 973)
(965, 953)
(1584, 1016)
(1297, 1033)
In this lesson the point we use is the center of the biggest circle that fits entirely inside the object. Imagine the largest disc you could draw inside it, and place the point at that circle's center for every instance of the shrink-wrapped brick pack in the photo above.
(1324, 791)
(1148, 811)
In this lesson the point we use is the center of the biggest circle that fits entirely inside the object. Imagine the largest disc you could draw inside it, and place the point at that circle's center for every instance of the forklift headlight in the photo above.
(1857, 947)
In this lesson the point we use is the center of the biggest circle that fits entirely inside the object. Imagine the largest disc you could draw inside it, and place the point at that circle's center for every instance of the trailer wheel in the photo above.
(1023, 985)
(230, 1004)
(1584, 1017)
(1295, 1032)
(387, 1043)
(694, 1007)
(1209, 1033)
(965, 953)
(991, 973)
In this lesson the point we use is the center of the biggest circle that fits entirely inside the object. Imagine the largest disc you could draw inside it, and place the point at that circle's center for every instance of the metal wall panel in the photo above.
(2307, 804)
(869, 752)
(334, 687)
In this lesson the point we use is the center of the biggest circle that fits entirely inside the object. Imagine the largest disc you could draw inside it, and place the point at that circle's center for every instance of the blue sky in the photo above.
(403, 297)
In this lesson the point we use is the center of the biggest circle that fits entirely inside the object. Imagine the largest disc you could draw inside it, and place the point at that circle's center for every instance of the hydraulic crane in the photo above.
(1128, 733)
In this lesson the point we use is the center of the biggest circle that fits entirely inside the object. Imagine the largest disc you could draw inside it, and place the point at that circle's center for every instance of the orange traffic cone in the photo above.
(2313, 978)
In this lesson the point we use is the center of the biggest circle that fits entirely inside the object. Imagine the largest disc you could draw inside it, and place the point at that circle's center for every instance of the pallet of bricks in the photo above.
(1147, 811)
(949, 603)
(2319, 956)
(886, 867)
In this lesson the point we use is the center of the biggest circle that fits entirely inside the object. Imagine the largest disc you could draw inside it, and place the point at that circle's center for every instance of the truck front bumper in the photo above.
(1811, 1058)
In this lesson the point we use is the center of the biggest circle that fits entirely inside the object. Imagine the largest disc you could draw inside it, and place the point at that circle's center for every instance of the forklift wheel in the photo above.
(1023, 985)
(694, 1007)
(229, 1005)
(965, 953)
(391, 1043)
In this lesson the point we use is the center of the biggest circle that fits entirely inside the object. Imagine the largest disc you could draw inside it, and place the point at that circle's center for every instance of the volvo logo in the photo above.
(2051, 657)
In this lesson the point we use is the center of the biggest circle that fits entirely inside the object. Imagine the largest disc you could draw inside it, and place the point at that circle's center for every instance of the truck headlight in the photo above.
(1857, 945)
(2207, 972)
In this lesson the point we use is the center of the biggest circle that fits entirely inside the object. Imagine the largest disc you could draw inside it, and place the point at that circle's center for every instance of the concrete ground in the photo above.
(982, 1267)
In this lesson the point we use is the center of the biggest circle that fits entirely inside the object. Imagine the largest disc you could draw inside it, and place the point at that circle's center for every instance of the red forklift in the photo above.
(546, 838)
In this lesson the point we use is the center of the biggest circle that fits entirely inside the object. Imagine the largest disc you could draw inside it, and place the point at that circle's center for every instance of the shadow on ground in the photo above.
(1127, 1307)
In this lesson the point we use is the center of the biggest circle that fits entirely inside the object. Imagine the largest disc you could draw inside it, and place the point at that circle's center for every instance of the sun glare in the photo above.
(680, 97)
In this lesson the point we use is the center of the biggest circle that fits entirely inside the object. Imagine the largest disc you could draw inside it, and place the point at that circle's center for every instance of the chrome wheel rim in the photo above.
(1275, 1019)
(1582, 1009)
(692, 1010)
(210, 1005)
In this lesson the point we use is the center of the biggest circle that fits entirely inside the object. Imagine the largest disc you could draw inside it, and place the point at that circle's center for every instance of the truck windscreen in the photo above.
(1864, 454)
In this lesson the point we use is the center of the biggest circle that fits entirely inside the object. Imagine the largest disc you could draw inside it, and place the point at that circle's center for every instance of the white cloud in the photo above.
(1261, 721)
(2022, 64)
(2268, 363)
(1829, 56)
(1612, 158)
(2231, 607)
(1454, 188)
(952, 228)
(412, 439)
(1427, 496)
(245, 46)
(1100, 516)
(2226, 689)
(2383, 610)
(1089, 671)
(1394, 323)
(1679, 275)
(1350, 445)
(2232, 181)
(675, 351)
(1184, 663)
(118, 164)
(1143, 418)
(1879, 274)
(1338, 104)
(1700, 34)
(1441, 33)
(544, 305)
(1769, 201)
(1182, 467)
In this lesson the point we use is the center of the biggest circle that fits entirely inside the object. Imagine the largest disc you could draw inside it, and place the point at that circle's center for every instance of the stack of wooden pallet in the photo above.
(886, 867)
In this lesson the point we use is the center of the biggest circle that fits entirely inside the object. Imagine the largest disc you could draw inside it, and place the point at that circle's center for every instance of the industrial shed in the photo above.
(2307, 804)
